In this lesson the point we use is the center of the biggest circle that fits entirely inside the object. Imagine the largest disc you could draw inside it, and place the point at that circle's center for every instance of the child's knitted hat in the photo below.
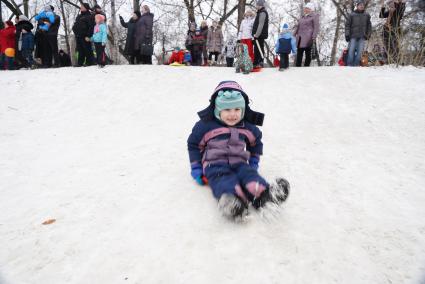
(250, 116)
(285, 28)
(228, 99)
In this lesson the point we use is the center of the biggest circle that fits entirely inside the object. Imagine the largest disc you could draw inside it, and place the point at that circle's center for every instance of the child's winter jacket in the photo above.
(286, 43)
(100, 33)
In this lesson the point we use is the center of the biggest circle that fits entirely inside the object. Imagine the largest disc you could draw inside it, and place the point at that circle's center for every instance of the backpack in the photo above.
(284, 45)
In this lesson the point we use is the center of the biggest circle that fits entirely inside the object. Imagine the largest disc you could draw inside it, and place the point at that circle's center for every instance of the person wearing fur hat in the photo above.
(7, 40)
(245, 32)
(284, 45)
(224, 151)
(214, 42)
(260, 32)
(358, 29)
(100, 36)
(129, 49)
(306, 33)
(83, 29)
(24, 41)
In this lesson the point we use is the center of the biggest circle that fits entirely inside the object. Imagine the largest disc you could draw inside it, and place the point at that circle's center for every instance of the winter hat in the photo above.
(309, 6)
(47, 8)
(138, 14)
(87, 6)
(53, 8)
(251, 116)
(229, 99)
(97, 7)
(261, 3)
(99, 18)
(285, 28)
(9, 23)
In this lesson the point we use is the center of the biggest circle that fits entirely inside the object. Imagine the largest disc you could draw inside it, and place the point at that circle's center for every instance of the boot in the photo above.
(279, 191)
(232, 207)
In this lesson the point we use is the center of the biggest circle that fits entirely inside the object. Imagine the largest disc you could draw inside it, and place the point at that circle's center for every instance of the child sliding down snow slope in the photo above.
(225, 147)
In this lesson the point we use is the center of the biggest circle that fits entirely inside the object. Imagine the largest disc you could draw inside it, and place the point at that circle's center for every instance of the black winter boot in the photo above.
(232, 207)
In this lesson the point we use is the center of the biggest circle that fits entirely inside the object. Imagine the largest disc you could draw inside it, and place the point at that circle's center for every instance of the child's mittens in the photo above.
(197, 174)
(253, 162)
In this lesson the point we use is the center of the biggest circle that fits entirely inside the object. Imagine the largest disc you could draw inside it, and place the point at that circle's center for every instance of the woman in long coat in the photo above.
(129, 43)
(144, 35)
(306, 33)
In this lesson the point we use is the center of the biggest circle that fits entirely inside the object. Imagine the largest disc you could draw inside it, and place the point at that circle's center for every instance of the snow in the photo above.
(103, 151)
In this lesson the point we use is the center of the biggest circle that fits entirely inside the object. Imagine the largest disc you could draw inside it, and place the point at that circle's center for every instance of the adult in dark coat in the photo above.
(358, 29)
(24, 41)
(260, 32)
(52, 39)
(129, 43)
(83, 29)
(204, 32)
(392, 32)
(144, 33)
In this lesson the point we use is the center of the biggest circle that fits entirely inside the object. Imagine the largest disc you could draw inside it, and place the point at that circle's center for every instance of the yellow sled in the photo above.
(177, 64)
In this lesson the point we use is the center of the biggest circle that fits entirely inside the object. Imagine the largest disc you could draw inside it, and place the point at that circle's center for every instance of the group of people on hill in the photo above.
(204, 44)
(24, 46)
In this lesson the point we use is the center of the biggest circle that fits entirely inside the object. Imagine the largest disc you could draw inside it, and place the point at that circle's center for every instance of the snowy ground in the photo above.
(104, 153)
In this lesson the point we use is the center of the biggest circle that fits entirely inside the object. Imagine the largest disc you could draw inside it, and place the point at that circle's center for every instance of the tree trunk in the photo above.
(65, 27)
(136, 5)
(1, 16)
(190, 11)
(241, 12)
(336, 37)
(113, 46)
(26, 8)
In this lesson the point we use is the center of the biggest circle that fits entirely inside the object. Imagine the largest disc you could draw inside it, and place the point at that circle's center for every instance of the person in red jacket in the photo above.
(177, 56)
(7, 40)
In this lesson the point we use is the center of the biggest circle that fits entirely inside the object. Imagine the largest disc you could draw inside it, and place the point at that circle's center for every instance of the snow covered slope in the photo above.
(104, 153)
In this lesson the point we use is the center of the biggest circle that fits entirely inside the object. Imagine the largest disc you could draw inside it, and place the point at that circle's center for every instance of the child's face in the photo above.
(231, 116)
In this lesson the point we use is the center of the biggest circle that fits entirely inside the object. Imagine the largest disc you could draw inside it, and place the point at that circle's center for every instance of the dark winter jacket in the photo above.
(54, 28)
(307, 30)
(144, 30)
(194, 43)
(84, 25)
(393, 18)
(24, 40)
(131, 28)
(213, 142)
(260, 29)
(358, 25)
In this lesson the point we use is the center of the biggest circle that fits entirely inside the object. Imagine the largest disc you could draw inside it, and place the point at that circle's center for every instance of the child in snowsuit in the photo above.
(225, 147)
(230, 52)
(284, 45)
(100, 35)
(243, 61)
